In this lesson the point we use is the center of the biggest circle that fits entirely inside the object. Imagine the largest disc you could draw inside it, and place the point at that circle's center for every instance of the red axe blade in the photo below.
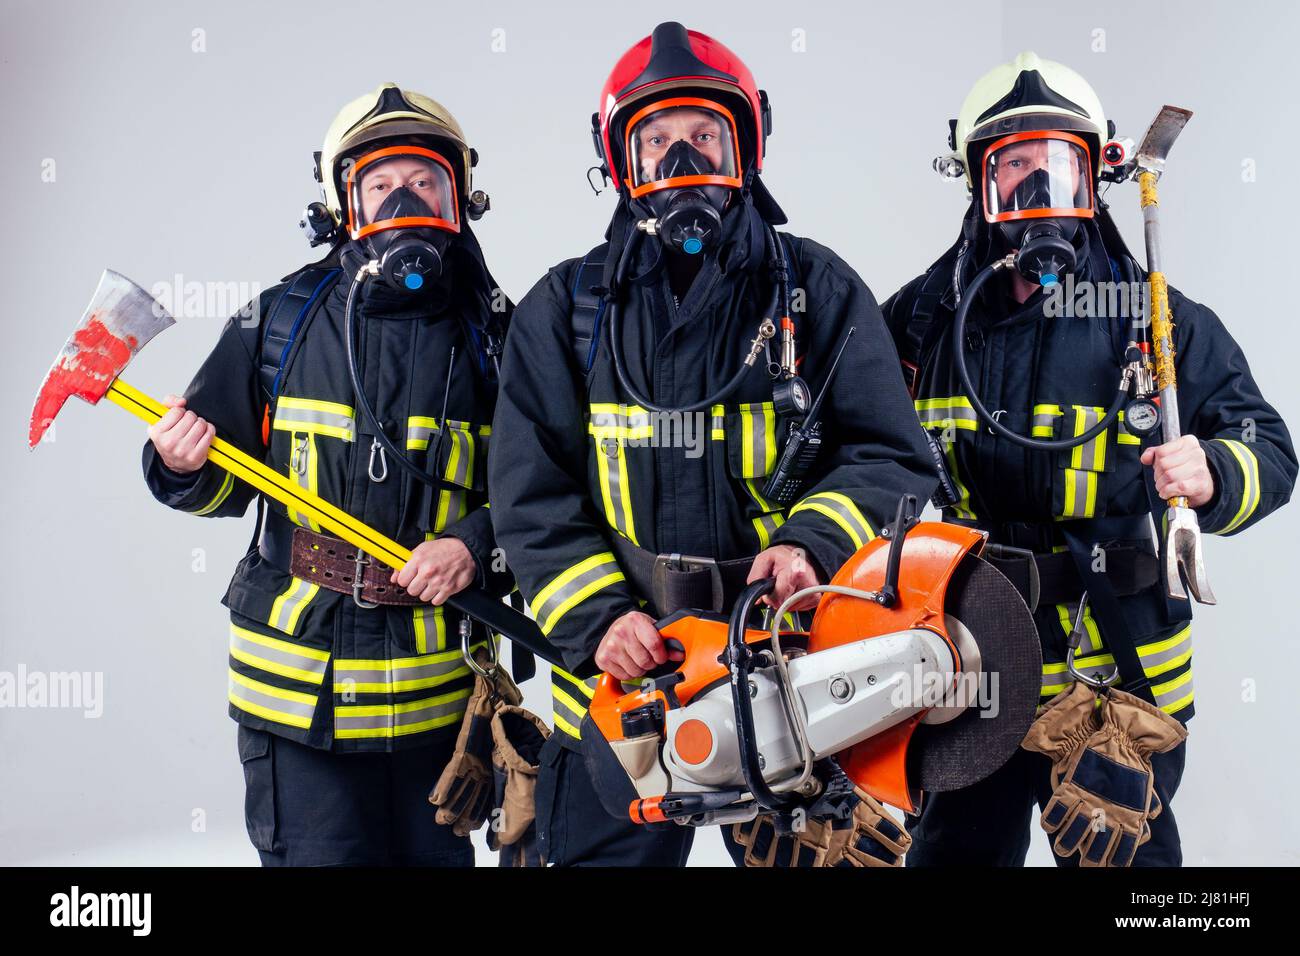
(120, 320)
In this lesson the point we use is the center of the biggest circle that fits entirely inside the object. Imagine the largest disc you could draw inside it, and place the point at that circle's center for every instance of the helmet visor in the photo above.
(683, 141)
(401, 187)
(1037, 174)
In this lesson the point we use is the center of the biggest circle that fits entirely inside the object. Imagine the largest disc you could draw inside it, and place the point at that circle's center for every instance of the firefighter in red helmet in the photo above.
(648, 391)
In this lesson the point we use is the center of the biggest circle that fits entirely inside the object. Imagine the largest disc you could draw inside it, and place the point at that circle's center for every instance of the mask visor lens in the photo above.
(401, 187)
(1035, 175)
(707, 154)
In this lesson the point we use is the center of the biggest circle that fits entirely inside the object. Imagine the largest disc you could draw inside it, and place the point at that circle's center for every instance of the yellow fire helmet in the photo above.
(1026, 95)
(390, 112)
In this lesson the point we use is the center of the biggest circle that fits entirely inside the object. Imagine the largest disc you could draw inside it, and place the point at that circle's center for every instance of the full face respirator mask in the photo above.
(683, 164)
(403, 213)
(1037, 188)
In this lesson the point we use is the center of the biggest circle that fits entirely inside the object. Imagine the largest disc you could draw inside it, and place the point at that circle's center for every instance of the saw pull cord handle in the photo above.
(963, 373)
(794, 714)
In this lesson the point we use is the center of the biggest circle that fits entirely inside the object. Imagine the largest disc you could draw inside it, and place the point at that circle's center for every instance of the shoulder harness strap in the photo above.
(281, 326)
(588, 307)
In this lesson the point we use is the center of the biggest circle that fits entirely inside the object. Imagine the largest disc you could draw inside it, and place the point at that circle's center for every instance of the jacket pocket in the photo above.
(1078, 480)
(462, 455)
(751, 435)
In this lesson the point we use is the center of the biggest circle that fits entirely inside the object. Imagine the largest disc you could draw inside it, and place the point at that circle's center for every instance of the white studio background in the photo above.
(175, 139)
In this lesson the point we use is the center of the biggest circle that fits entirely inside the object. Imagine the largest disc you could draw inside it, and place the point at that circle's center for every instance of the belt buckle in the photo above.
(677, 563)
(359, 566)
(1025, 554)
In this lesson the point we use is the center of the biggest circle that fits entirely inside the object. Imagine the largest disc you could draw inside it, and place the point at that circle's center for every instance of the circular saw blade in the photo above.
(967, 749)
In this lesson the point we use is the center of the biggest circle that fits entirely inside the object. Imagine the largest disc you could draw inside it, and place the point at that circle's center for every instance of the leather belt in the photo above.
(330, 562)
(672, 582)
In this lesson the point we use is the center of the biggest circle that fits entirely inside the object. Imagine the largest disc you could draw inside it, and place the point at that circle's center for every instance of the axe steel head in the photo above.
(1155, 145)
(120, 320)
(1184, 559)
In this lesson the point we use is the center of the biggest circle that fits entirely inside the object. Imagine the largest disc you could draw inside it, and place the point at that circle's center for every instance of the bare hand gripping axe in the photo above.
(1184, 558)
(120, 320)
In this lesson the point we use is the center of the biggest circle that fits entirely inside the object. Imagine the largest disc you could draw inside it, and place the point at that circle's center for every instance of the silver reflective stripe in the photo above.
(395, 720)
(275, 656)
(573, 586)
(451, 508)
(570, 698)
(1174, 695)
(271, 703)
(626, 421)
(1092, 454)
(419, 431)
(942, 412)
(290, 415)
(765, 525)
(288, 607)
(1160, 656)
(460, 457)
(410, 673)
(1045, 420)
(758, 434)
(718, 423)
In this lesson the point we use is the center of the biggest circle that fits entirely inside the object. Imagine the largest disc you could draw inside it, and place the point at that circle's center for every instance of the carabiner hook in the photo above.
(383, 461)
(298, 458)
(1072, 645)
(488, 673)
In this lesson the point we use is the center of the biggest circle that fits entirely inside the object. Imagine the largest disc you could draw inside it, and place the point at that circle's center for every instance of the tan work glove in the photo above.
(1106, 796)
(1063, 726)
(463, 793)
(873, 838)
(808, 846)
(517, 738)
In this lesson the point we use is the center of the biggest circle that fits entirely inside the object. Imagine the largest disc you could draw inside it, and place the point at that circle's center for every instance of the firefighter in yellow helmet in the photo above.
(1064, 470)
(371, 381)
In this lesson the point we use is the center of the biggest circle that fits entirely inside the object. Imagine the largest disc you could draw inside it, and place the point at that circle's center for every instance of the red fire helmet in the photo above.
(666, 63)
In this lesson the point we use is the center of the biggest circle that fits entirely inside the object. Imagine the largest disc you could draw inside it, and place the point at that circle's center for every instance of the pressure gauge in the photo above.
(1142, 417)
(792, 397)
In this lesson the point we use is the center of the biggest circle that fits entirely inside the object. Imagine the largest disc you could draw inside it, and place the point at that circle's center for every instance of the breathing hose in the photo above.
(963, 373)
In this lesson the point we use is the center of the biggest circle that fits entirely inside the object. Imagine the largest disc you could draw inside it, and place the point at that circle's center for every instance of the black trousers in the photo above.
(991, 823)
(309, 807)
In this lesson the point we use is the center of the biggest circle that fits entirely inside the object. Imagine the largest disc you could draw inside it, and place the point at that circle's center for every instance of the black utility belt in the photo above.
(1053, 577)
(672, 582)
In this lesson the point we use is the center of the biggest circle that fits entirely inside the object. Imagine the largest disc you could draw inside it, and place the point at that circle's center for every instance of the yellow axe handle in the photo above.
(271, 483)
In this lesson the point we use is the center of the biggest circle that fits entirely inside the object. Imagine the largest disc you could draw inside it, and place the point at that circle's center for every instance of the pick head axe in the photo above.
(1184, 559)
(120, 320)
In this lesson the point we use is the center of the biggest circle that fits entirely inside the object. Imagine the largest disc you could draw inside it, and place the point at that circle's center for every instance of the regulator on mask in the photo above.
(1037, 187)
(683, 164)
(402, 211)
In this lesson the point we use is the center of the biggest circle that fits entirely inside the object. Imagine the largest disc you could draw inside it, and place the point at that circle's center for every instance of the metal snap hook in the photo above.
(383, 461)
(466, 628)
(298, 458)
(997, 417)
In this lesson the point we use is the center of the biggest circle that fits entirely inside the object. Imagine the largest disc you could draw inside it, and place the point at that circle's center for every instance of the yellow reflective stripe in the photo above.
(1163, 656)
(573, 586)
(284, 658)
(1174, 695)
(957, 401)
(765, 526)
(944, 413)
(399, 720)
(1044, 423)
(304, 446)
(758, 442)
(718, 430)
(1123, 436)
(421, 615)
(840, 509)
(564, 725)
(1250, 483)
(567, 700)
(315, 417)
(270, 702)
(611, 468)
(403, 673)
(587, 687)
(227, 483)
(288, 607)
(1092, 634)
